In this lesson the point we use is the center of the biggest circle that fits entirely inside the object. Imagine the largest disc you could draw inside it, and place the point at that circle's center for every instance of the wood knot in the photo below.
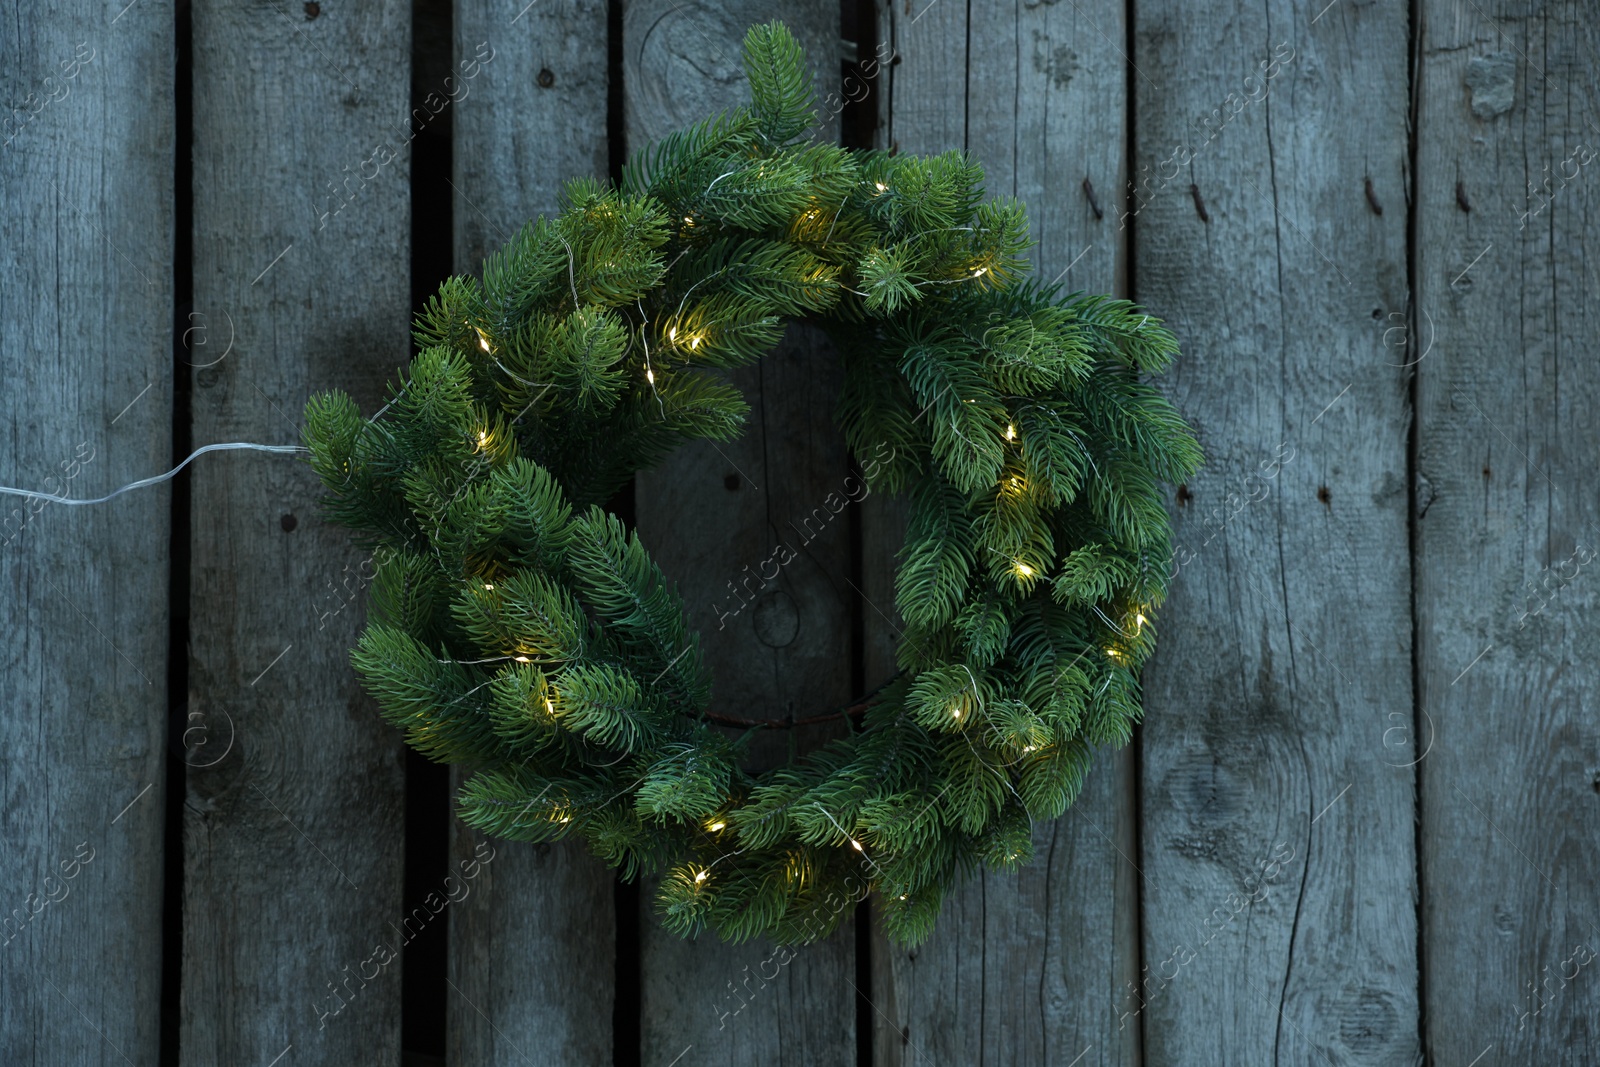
(777, 619)
(1207, 793)
(1367, 1021)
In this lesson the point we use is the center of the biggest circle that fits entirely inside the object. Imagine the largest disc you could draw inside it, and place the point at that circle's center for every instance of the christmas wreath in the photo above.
(520, 628)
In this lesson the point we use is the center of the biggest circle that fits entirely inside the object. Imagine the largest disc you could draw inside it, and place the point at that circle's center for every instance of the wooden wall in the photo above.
(1359, 822)
(1507, 297)
(86, 308)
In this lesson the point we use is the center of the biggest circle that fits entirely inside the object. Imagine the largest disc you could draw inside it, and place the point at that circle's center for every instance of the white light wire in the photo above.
(52, 498)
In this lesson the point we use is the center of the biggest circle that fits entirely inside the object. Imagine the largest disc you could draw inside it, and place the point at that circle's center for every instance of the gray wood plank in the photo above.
(705, 514)
(709, 512)
(1507, 531)
(517, 139)
(1024, 968)
(293, 843)
(533, 949)
(532, 954)
(1278, 854)
(85, 332)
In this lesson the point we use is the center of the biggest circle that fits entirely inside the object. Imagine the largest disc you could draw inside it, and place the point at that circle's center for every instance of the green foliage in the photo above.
(518, 627)
(780, 91)
(608, 706)
(931, 583)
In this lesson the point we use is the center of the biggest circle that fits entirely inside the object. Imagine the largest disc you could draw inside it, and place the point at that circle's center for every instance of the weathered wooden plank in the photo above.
(711, 512)
(85, 321)
(1047, 116)
(1277, 838)
(535, 116)
(1022, 967)
(1507, 387)
(533, 950)
(293, 843)
(787, 653)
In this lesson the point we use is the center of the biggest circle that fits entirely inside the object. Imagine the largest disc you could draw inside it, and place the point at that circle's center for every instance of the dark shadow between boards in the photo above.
(627, 1006)
(425, 959)
(178, 576)
(858, 128)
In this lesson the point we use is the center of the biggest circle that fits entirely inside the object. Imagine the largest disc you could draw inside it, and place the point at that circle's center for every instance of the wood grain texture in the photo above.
(85, 336)
(1507, 388)
(293, 842)
(1022, 968)
(532, 955)
(533, 950)
(1279, 873)
(711, 516)
(518, 140)
(707, 514)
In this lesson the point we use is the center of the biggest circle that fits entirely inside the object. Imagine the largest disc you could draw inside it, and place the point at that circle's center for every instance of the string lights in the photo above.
(999, 582)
